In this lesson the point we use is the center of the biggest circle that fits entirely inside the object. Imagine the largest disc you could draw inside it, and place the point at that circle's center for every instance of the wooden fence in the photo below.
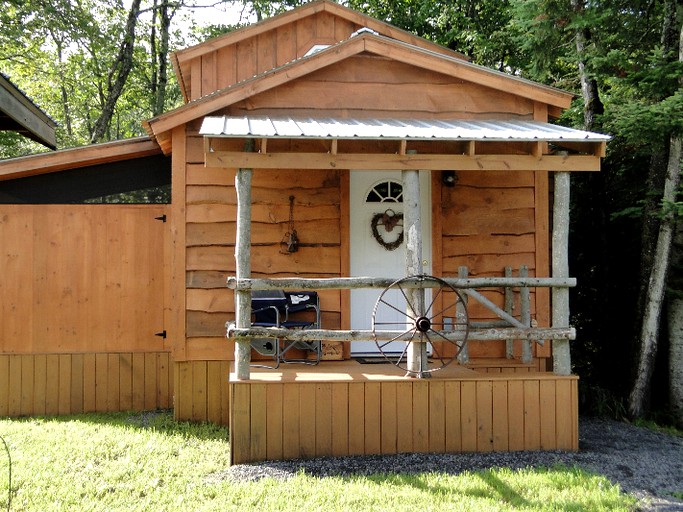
(82, 299)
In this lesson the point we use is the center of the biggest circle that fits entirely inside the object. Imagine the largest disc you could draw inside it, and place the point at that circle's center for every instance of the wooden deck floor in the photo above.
(346, 371)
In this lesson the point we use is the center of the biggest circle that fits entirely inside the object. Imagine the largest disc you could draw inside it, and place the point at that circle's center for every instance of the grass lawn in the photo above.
(109, 462)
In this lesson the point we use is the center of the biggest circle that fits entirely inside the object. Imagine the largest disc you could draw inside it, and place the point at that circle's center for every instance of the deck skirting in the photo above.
(61, 384)
(479, 413)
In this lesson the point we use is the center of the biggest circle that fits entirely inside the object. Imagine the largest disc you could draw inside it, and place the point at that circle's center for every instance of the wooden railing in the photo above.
(508, 327)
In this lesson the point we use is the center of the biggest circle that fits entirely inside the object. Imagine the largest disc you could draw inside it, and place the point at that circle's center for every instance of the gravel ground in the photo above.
(645, 463)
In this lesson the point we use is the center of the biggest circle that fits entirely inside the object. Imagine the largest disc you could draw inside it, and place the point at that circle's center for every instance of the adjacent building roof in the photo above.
(19, 114)
(398, 129)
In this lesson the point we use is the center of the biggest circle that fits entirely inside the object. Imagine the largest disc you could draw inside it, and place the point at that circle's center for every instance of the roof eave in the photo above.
(74, 158)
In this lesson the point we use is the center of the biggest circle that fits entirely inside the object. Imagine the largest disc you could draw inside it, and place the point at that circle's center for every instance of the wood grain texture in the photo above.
(63, 384)
(476, 414)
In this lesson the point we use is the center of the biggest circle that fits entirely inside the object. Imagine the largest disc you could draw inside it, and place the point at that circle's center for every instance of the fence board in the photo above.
(404, 417)
(40, 384)
(76, 384)
(307, 412)
(340, 420)
(484, 416)
(373, 431)
(356, 418)
(323, 419)
(532, 415)
(437, 417)
(453, 418)
(274, 404)
(500, 416)
(258, 434)
(52, 389)
(420, 417)
(388, 417)
(27, 385)
(290, 431)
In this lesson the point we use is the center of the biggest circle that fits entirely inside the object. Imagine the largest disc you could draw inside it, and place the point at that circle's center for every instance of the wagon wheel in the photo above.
(419, 318)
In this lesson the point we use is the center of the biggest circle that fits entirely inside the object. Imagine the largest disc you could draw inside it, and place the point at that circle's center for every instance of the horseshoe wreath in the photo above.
(390, 220)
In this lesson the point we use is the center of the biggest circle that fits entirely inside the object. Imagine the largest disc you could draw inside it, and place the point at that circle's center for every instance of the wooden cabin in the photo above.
(309, 122)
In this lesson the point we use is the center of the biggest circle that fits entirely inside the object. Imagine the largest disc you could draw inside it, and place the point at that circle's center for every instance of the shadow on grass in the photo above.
(160, 421)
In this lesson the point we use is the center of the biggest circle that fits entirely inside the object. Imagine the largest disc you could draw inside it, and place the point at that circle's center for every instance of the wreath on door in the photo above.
(389, 220)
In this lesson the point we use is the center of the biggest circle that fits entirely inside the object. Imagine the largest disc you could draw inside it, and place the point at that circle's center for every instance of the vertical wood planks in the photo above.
(308, 419)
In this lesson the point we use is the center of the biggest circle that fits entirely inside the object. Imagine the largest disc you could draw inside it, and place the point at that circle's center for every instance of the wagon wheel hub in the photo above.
(423, 324)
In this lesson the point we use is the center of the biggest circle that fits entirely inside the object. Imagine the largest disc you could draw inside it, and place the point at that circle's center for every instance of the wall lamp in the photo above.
(449, 178)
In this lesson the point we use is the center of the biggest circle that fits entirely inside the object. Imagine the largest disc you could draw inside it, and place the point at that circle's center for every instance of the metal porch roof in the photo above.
(398, 129)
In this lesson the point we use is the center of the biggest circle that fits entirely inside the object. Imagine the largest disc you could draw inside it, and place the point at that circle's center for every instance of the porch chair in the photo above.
(290, 310)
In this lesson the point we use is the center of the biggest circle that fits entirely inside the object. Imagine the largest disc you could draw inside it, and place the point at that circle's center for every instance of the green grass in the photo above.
(149, 462)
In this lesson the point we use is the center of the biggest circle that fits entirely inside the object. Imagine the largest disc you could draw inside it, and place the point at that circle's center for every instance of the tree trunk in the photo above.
(165, 16)
(118, 74)
(675, 325)
(654, 298)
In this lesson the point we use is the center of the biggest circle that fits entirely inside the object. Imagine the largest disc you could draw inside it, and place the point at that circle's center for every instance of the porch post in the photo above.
(417, 352)
(560, 268)
(243, 266)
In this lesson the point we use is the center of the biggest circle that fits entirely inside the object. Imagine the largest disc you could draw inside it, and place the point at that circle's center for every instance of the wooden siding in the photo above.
(286, 420)
(201, 391)
(489, 222)
(210, 243)
(372, 86)
(81, 278)
(262, 52)
(60, 384)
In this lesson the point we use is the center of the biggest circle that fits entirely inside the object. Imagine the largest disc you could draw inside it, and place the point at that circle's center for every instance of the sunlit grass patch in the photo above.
(150, 462)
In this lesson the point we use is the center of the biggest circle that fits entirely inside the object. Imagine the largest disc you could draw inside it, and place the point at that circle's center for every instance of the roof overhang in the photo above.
(396, 144)
(18, 113)
(75, 158)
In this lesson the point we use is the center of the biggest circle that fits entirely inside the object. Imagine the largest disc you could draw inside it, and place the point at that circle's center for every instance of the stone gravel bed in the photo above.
(645, 463)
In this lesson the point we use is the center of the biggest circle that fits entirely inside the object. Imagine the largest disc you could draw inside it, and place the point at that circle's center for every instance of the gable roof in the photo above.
(182, 59)
(18, 113)
(159, 127)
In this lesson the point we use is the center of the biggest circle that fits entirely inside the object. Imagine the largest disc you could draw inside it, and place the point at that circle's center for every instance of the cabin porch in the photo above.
(341, 408)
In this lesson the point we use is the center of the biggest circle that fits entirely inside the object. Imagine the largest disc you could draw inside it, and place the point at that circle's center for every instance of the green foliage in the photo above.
(60, 53)
(147, 461)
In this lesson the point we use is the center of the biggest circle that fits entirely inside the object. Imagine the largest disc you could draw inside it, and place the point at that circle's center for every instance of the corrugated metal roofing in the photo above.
(422, 129)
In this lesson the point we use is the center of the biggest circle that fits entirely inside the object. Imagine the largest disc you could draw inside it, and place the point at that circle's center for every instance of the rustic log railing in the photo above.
(507, 328)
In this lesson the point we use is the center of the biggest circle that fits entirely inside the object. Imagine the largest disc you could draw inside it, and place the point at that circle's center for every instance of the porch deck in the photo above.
(343, 408)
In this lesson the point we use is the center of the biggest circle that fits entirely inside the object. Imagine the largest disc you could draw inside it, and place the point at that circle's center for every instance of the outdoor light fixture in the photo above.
(449, 178)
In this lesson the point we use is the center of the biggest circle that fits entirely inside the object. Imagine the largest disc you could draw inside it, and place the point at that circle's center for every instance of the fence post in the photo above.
(560, 268)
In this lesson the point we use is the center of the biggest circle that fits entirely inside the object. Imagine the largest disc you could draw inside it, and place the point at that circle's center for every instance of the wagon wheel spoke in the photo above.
(391, 306)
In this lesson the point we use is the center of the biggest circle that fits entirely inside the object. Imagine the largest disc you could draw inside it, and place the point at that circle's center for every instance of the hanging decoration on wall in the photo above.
(390, 220)
(290, 242)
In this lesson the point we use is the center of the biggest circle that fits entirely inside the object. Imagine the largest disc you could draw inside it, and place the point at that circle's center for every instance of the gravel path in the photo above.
(645, 463)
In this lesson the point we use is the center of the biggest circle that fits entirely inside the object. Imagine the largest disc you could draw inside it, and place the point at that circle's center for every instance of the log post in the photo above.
(417, 350)
(509, 309)
(243, 266)
(560, 268)
(461, 318)
(525, 315)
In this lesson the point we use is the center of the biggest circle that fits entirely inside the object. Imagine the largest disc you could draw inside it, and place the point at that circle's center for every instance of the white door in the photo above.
(373, 194)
